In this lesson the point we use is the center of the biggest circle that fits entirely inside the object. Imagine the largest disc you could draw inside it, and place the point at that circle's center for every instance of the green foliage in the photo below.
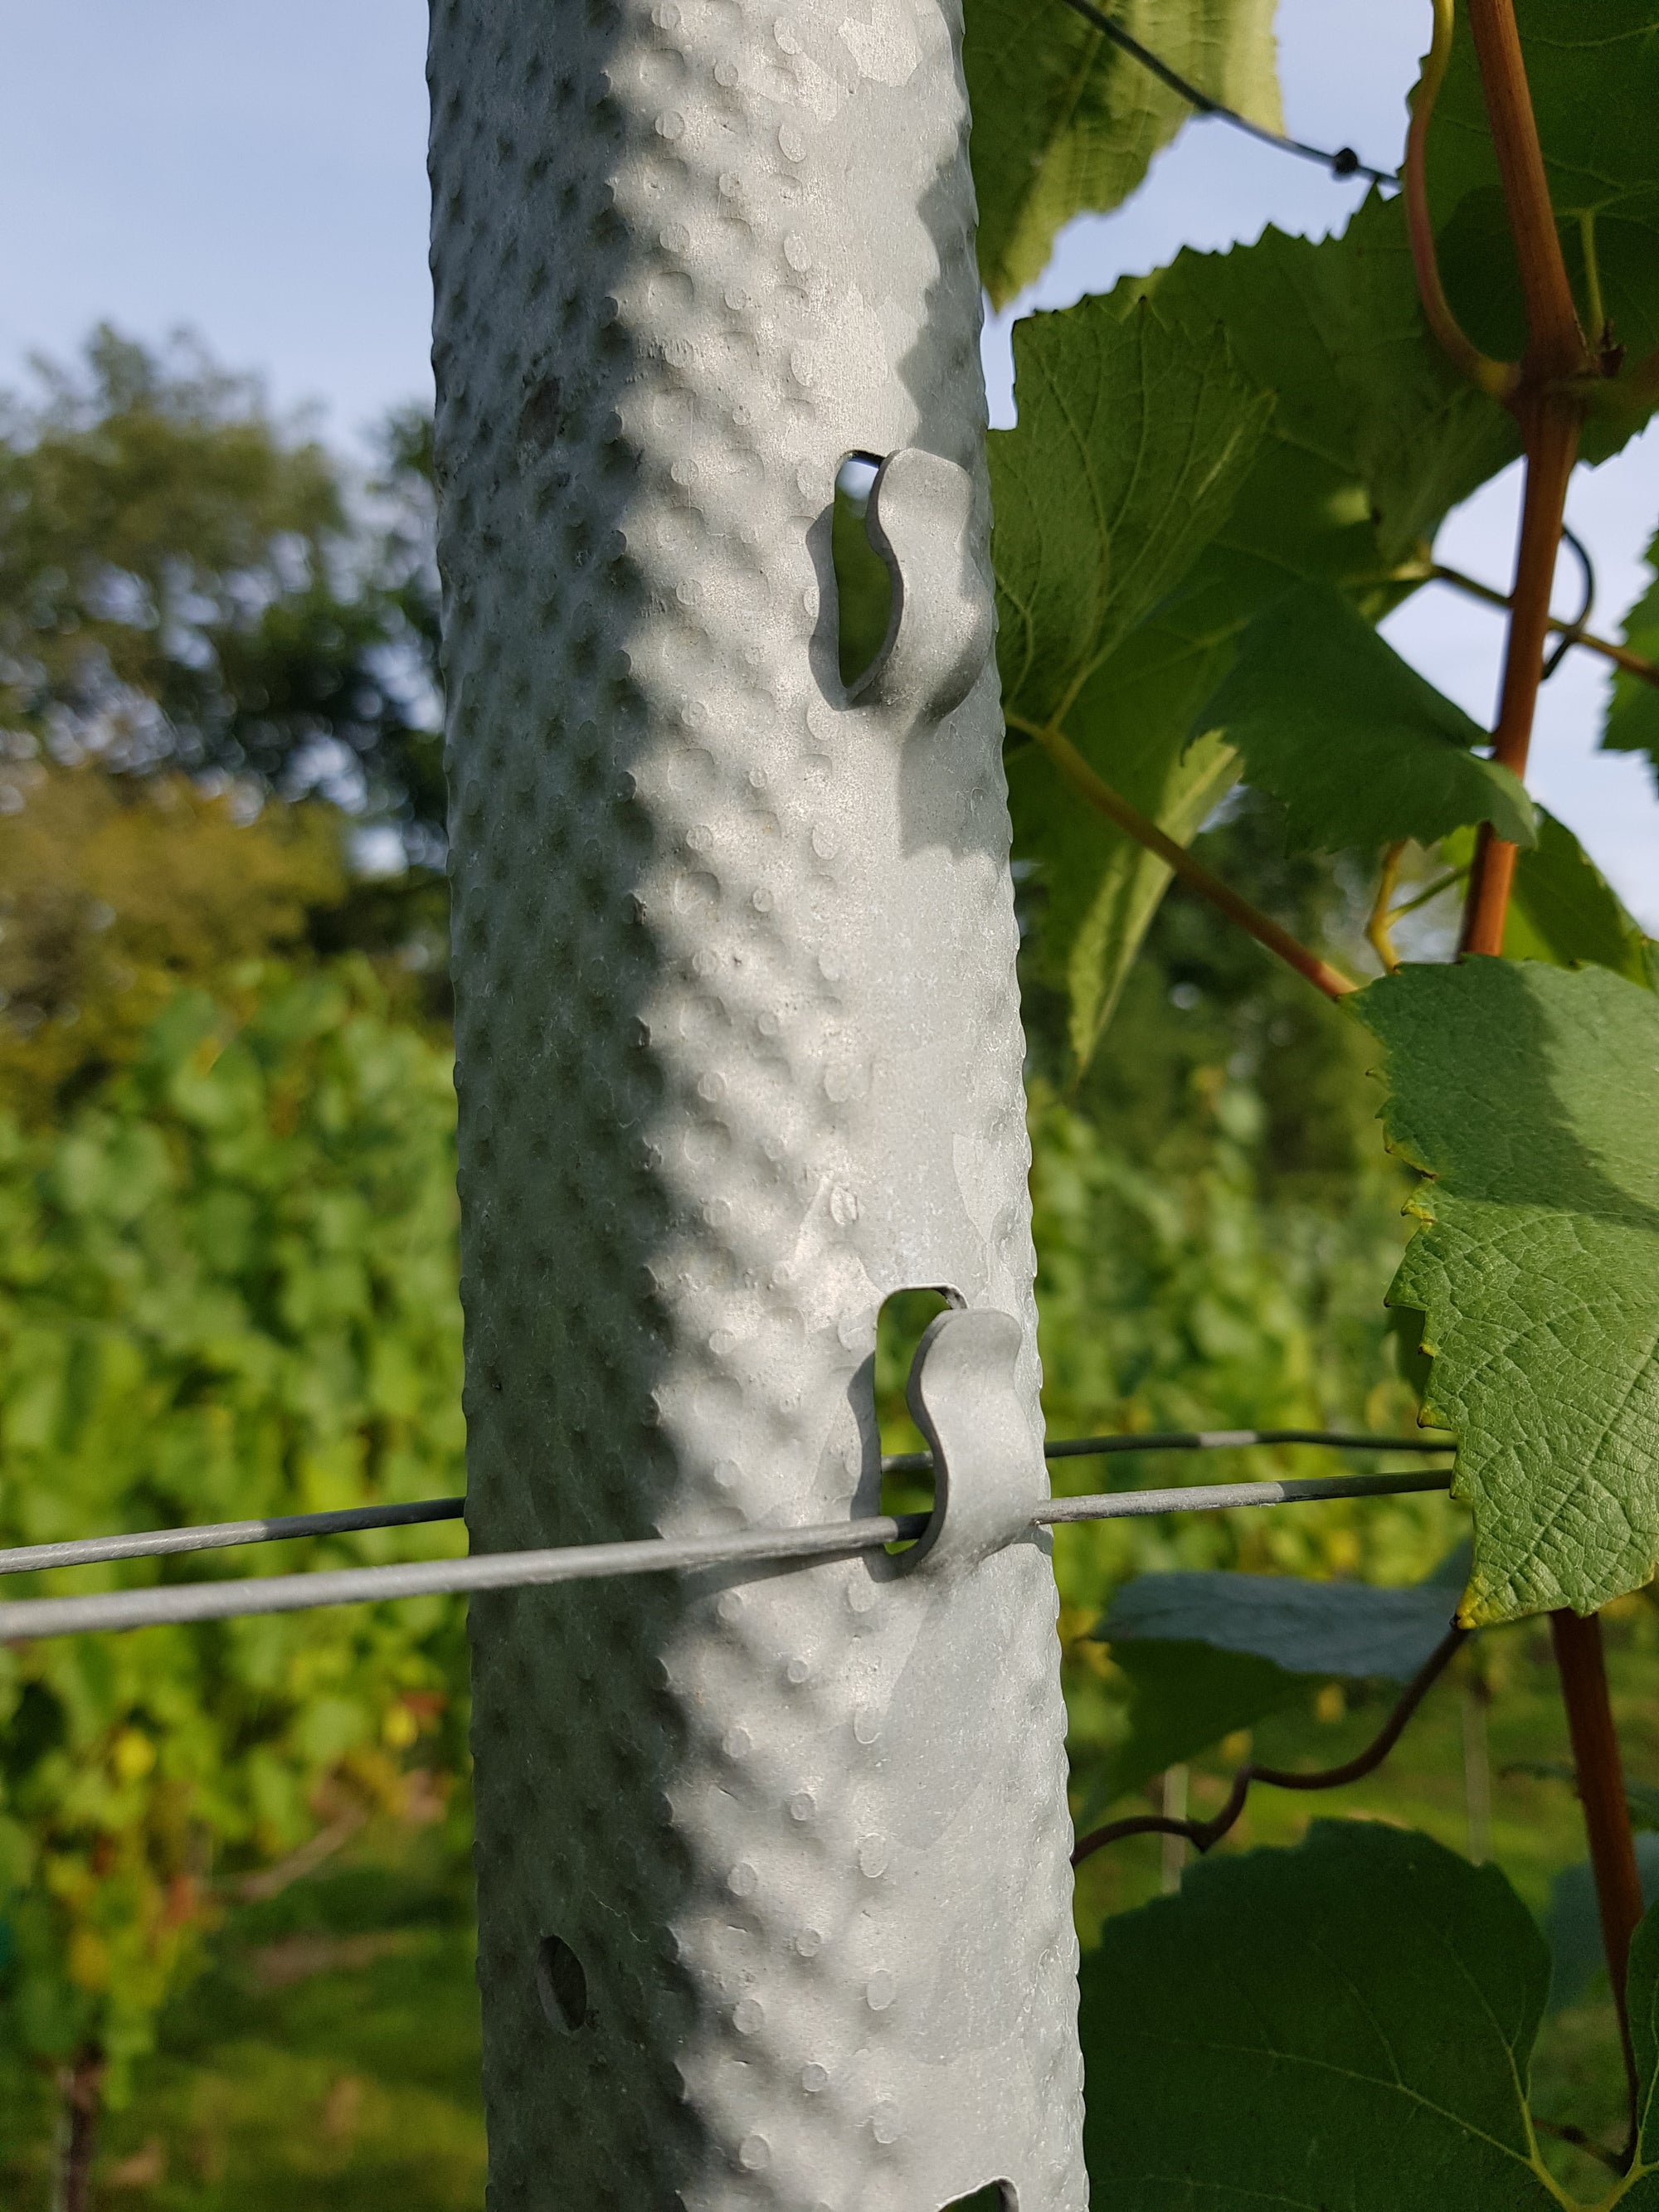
(226, 1288)
(115, 891)
(327, 2054)
(1131, 444)
(1371, 439)
(1594, 84)
(1633, 723)
(1525, 1093)
(863, 586)
(1130, 450)
(1066, 123)
(1350, 2022)
(1100, 889)
(1563, 909)
(1374, 436)
(1207, 1654)
(1360, 748)
(1335, 1631)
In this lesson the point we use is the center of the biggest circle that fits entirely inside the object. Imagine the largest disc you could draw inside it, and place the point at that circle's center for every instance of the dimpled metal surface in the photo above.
(774, 1900)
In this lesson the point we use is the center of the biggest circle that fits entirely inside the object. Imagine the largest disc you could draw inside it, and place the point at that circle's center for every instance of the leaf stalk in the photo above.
(1550, 413)
(1499, 379)
(1117, 809)
(1581, 1662)
(1384, 911)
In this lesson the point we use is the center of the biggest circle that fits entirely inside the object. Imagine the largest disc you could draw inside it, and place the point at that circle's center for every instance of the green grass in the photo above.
(327, 2060)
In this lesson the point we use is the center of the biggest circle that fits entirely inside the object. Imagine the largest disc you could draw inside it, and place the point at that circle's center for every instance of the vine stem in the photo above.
(1581, 1664)
(1552, 449)
(1203, 1835)
(83, 2097)
(1133, 823)
(1550, 414)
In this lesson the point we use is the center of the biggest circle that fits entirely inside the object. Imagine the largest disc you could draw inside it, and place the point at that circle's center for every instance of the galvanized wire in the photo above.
(177, 1603)
(223, 1535)
(220, 1535)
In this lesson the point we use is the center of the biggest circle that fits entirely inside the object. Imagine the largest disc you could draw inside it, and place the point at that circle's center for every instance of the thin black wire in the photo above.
(1345, 162)
(1580, 623)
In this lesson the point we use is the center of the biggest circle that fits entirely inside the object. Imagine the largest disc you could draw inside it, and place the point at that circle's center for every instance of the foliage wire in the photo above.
(1573, 631)
(1203, 1835)
(1342, 164)
(175, 1603)
(225, 1536)
(1437, 572)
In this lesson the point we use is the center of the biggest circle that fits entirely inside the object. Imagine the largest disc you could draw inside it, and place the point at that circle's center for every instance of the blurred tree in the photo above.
(187, 583)
(117, 890)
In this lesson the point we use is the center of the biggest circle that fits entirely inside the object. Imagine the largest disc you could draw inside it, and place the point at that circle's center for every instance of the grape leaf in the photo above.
(1371, 439)
(1563, 909)
(1183, 1696)
(1478, 267)
(1208, 1653)
(1633, 723)
(1335, 1631)
(1529, 1096)
(1132, 442)
(1361, 749)
(1065, 123)
(1101, 888)
(1347, 2023)
(1130, 447)
(1374, 436)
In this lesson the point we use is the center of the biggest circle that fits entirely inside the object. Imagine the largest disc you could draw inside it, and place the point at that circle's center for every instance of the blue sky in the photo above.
(257, 172)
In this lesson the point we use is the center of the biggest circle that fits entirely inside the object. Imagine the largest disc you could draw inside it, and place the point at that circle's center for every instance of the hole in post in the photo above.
(900, 1326)
(864, 584)
(560, 1984)
(995, 2197)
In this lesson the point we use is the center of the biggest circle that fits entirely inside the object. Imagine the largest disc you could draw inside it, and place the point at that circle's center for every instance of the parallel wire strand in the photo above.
(180, 1602)
(224, 1535)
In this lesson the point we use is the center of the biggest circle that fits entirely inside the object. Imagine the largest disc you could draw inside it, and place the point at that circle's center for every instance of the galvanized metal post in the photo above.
(774, 1899)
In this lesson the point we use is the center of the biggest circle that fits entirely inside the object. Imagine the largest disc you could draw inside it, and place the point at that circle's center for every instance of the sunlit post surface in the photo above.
(774, 1901)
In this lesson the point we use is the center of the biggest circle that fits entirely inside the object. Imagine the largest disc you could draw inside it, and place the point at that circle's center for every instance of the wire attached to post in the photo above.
(178, 1603)
(1342, 164)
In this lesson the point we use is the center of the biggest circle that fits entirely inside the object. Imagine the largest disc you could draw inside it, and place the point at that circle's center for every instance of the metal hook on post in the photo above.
(775, 1906)
(943, 622)
(989, 1475)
